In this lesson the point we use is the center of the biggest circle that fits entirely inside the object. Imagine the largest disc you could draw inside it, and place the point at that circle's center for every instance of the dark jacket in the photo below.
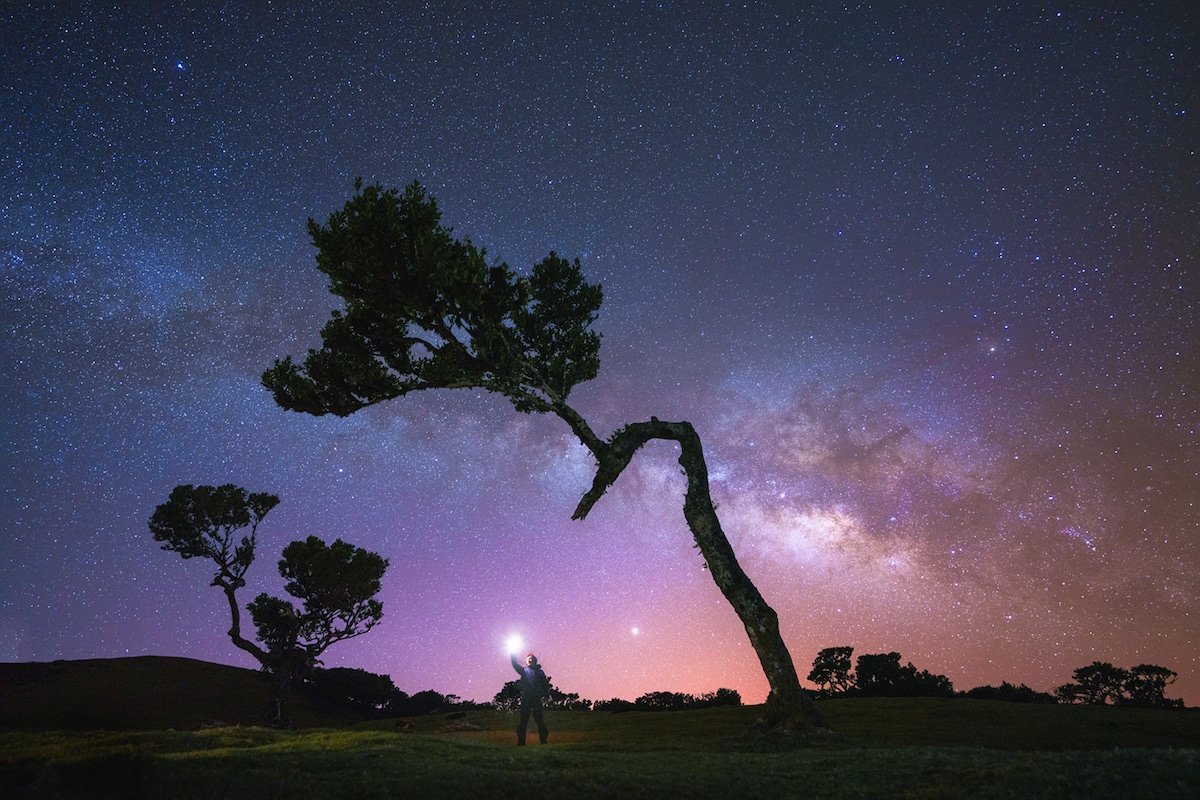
(533, 684)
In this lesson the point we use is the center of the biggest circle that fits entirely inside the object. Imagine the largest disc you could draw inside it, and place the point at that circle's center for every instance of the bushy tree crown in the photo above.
(424, 310)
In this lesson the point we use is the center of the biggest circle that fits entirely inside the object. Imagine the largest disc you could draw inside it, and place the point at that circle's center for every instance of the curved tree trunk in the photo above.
(789, 707)
(235, 627)
(278, 710)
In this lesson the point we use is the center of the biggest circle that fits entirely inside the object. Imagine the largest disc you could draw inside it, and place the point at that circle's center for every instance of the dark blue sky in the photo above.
(925, 280)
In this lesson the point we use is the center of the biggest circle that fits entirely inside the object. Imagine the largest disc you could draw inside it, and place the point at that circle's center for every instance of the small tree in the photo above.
(1100, 682)
(423, 310)
(831, 670)
(336, 583)
(1146, 686)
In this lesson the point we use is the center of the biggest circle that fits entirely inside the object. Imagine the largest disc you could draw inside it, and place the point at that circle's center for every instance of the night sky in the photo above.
(924, 279)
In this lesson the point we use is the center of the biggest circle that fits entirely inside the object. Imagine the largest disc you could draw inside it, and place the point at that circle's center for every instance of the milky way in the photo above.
(924, 280)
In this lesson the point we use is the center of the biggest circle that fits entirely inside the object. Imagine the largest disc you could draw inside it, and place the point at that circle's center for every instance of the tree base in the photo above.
(786, 726)
(784, 733)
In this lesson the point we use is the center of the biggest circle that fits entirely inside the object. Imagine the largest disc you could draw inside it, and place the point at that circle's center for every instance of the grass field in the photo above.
(894, 748)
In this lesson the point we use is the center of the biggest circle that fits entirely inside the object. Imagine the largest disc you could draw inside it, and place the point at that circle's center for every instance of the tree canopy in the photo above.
(204, 522)
(336, 585)
(424, 310)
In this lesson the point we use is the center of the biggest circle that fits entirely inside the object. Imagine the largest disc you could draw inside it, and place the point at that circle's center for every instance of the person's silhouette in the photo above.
(534, 686)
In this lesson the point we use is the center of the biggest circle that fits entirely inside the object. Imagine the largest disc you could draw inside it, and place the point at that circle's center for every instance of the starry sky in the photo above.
(924, 279)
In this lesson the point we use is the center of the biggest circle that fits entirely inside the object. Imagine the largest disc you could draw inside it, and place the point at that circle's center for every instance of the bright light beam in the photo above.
(514, 644)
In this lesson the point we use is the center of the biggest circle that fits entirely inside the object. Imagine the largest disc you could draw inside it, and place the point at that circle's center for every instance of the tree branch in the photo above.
(615, 455)
(589, 438)
(235, 629)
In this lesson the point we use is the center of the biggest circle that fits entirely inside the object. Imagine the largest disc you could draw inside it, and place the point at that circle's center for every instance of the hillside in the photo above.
(142, 693)
(156, 693)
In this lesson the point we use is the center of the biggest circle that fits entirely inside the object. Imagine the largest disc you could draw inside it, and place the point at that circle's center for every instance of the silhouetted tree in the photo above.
(831, 669)
(881, 675)
(423, 310)
(509, 698)
(663, 701)
(1146, 686)
(567, 701)
(1068, 693)
(615, 705)
(417, 705)
(336, 583)
(1102, 683)
(356, 686)
(1009, 693)
(877, 673)
(721, 697)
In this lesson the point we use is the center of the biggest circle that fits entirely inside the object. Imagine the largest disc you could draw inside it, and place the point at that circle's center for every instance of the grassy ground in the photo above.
(138, 728)
(887, 748)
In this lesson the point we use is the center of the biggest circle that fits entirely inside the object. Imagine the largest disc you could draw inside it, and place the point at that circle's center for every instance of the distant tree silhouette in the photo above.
(878, 673)
(1146, 686)
(356, 686)
(1068, 693)
(615, 705)
(1097, 683)
(568, 701)
(831, 670)
(336, 583)
(509, 698)
(680, 701)
(417, 705)
(1101, 683)
(423, 310)
(662, 701)
(881, 675)
(1009, 693)
(721, 697)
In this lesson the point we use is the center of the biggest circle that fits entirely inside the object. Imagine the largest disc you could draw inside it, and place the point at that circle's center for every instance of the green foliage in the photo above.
(424, 310)
(203, 522)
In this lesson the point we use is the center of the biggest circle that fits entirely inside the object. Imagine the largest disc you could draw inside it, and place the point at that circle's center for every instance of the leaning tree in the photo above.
(336, 584)
(424, 310)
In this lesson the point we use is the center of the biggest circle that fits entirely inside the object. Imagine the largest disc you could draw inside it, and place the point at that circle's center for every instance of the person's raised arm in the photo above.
(517, 666)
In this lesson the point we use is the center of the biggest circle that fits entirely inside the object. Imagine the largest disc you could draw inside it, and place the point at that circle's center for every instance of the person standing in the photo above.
(534, 687)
